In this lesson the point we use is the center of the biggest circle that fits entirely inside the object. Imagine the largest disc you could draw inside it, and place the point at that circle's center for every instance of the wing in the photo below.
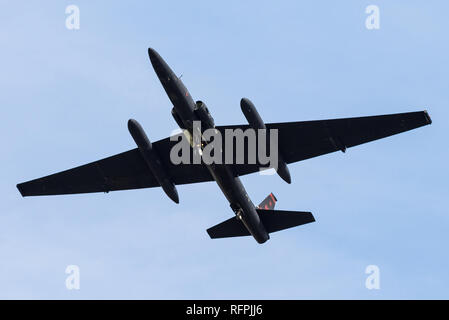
(307, 139)
(123, 171)
(297, 141)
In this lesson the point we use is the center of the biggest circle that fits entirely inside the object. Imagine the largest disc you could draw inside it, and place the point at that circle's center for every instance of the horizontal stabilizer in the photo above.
(228, 228)
(276, 220)
(273, 220)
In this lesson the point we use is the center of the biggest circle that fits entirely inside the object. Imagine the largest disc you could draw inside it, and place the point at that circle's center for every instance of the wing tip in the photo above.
(20, 188)
(427, 117)
(210, 233)
(312, 217)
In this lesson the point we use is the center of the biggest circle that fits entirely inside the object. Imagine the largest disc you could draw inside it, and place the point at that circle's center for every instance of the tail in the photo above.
(273, 220)
(268, 203)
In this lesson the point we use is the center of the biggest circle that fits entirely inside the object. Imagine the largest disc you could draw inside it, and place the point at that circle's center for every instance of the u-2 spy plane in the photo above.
(149, 165)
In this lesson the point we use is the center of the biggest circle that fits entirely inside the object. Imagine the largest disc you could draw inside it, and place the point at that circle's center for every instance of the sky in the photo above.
(66, 97)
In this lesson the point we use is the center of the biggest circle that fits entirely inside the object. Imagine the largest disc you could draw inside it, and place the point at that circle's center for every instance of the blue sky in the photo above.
(67, 95)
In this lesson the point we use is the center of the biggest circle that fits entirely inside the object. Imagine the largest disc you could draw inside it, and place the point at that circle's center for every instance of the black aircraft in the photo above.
(149, 165)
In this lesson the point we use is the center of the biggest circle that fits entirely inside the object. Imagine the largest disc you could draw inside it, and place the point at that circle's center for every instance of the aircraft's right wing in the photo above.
(302, 140)
(126, 170)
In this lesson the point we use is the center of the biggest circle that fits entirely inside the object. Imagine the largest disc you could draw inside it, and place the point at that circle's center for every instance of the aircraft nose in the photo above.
(154, 56)
(162, 69)
(151, 52)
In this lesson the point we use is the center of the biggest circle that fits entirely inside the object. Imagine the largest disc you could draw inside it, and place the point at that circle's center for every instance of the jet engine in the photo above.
(152, 159)
(202, 112)
(256, 122)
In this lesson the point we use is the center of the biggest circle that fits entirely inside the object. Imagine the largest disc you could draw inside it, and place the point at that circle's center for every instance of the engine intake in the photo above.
(202, 112)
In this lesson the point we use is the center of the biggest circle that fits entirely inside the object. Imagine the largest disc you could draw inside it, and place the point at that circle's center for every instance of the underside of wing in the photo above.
(303, 140)
(307, 139)
(123, 171)
(296, 141)
(126, 170)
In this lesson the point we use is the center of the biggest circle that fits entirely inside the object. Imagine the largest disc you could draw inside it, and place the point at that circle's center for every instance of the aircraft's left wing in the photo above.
(302, 140)
(122, 171)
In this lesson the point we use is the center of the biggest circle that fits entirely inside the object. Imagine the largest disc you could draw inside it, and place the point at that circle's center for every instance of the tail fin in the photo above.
(268, 203)
(273, 220)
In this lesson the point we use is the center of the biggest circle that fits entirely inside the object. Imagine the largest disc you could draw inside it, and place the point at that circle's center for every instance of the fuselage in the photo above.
(229, 183)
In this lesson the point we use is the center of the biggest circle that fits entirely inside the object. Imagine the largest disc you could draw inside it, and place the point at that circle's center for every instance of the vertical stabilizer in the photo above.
(268, 203)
